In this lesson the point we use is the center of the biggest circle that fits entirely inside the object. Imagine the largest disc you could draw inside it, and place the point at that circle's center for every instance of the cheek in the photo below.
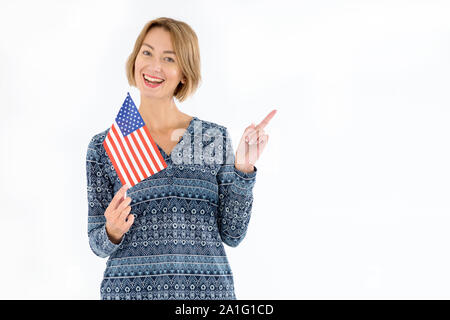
(137, 66)
(173, 73)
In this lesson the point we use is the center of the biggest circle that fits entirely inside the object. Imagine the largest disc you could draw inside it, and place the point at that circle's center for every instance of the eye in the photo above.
(149, 53)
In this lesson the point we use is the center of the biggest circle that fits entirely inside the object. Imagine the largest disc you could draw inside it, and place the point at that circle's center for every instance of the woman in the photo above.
(164, 238)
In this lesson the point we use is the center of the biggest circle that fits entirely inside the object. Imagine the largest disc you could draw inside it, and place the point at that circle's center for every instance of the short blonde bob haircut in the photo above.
(185, 44)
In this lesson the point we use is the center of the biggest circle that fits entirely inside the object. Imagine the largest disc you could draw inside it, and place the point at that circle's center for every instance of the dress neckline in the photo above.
(167, 156)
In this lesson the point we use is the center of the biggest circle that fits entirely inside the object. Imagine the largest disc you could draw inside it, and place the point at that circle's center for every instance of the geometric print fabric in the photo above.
(183, 215)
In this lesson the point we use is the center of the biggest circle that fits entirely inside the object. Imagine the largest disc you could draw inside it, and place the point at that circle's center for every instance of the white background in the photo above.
(352, 195)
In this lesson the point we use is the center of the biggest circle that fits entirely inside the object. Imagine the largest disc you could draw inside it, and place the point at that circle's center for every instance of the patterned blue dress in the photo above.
(183, 214)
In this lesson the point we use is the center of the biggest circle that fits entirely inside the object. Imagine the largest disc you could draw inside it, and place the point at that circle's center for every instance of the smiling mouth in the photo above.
(151, 82)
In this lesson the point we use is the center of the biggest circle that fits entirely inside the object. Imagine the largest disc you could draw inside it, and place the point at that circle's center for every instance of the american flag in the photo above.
(130, 146)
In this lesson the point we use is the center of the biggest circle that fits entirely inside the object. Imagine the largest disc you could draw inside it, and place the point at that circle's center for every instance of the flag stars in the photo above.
(129, 118)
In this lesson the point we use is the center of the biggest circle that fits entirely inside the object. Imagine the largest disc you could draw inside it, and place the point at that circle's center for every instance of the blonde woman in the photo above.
(164, 237)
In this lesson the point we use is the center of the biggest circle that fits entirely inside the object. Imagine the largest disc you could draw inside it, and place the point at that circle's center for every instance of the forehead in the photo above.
(159, 39)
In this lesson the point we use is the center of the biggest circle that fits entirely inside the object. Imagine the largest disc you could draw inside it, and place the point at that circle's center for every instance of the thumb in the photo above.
(252, 126)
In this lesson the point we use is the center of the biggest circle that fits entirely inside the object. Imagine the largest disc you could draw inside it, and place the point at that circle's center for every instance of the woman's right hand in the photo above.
(118, 217)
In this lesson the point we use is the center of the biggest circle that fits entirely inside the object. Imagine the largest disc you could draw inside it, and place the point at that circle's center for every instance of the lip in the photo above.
(150, 85)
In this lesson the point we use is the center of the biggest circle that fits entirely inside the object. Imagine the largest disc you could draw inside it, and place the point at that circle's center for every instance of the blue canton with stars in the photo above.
(129, 119)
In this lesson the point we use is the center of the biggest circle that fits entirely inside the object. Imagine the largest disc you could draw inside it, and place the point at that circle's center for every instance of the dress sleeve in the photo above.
(235, 197)
(100, 194)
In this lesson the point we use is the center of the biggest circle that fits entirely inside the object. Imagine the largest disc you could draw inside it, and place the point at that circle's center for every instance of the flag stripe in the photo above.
(137, 154)
(149, 140)
(128, 153)
(143, 153)
(118, 160)
(147, 147)
(122, 159)
(124, 153)
(114, 160)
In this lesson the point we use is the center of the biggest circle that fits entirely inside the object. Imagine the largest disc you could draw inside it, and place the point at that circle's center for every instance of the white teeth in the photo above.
(152, 79)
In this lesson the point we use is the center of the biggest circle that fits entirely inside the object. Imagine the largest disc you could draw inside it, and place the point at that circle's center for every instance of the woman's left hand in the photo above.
(252, 144)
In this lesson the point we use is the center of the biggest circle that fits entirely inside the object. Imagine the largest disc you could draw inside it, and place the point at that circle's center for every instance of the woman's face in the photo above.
(156, 58)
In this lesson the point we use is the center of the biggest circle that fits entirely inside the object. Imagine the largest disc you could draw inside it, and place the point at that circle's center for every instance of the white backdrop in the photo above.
(352, 194)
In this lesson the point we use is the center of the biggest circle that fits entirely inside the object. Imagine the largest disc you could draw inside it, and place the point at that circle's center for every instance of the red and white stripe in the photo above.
(135, 157)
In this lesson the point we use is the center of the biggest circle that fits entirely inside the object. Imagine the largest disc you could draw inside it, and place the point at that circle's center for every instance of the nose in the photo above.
(155, 65)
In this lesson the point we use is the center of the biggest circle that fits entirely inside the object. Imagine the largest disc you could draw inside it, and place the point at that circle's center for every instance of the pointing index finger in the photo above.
(266, 120)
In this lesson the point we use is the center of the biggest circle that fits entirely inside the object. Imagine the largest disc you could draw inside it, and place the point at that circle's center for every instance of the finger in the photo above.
(262, 145)
(124, 214)
(256, 149)
(263, 139)
(250, 130)
(247, 130)
(247, 153)
(129, 222)
(120, 212)
(118, 197)
(253, 136)
(124, 204)
(247, 134)
(266, 120)
(252, 153)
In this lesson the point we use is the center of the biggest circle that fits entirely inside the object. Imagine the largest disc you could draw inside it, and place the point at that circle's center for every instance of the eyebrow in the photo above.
(167, 51)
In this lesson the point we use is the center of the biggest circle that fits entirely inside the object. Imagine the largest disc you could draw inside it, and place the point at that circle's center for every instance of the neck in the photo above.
(159, 115)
